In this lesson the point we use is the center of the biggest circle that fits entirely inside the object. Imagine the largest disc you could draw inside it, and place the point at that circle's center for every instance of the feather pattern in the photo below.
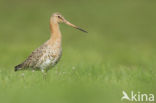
(43, 57)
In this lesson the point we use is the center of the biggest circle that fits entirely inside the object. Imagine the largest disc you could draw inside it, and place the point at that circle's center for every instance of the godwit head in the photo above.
(58, 18)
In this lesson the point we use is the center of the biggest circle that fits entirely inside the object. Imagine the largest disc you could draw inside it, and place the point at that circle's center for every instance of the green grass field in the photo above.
(118, 53)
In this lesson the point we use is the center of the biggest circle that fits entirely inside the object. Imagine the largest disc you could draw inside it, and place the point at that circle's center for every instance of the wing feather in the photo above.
(34, 58)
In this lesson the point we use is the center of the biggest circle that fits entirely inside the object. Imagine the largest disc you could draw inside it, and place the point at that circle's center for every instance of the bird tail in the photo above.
(18, 67)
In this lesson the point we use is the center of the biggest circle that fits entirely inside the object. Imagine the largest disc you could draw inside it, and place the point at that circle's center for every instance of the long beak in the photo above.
(72, 25)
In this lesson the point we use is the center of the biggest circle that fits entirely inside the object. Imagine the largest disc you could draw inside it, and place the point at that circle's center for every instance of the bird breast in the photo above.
(50, 56)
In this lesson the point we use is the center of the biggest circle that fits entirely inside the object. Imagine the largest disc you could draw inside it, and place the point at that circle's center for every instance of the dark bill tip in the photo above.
(81, 30)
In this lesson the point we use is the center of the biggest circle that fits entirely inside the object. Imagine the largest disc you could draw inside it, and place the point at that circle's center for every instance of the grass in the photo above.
(117, 54)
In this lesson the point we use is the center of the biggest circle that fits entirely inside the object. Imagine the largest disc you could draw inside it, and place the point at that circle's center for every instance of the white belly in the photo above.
(49, 62)
(46, 63)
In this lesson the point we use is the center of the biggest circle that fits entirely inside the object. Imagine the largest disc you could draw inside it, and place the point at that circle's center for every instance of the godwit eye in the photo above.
(59, 17)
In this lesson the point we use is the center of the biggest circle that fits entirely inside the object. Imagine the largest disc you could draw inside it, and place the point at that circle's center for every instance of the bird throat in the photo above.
(55, 31)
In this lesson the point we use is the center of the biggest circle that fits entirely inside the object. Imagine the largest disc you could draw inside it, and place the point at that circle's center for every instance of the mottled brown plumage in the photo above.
(48, 54)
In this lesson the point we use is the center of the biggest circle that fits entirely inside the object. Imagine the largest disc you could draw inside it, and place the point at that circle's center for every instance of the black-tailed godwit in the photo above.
(48, 54)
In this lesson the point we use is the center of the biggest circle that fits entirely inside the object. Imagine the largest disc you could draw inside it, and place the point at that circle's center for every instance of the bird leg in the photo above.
(22, 75)
(44, 72)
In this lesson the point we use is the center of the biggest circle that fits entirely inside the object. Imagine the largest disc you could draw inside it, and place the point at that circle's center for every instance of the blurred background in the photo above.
(117, 54)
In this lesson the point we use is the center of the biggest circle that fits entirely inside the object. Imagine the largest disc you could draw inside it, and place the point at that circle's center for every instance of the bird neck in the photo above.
(55, 31)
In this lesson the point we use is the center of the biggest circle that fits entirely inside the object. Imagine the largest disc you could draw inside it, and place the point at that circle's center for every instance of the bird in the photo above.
(49, 53)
